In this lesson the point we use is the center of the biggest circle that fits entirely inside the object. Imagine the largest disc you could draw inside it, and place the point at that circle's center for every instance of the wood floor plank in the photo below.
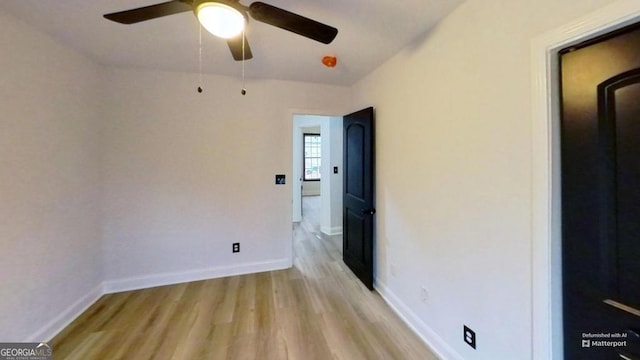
(224, 313)
(90, 321)
(316, 310)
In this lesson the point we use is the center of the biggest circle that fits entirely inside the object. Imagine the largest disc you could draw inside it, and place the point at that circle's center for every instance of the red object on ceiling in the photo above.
(329, 61)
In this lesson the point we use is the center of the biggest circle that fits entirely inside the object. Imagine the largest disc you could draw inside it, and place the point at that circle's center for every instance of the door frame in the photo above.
(546, 272)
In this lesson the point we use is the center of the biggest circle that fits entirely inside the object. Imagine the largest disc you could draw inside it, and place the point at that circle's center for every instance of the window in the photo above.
(311, 157)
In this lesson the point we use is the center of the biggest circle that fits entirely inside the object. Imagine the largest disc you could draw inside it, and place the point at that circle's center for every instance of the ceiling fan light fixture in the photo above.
(220, 19)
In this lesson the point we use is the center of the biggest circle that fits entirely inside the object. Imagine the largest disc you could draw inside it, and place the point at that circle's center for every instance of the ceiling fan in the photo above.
(227, 19)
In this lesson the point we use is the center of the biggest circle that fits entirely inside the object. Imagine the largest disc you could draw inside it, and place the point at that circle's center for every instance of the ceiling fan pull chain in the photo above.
(200, 59)
(243, 91)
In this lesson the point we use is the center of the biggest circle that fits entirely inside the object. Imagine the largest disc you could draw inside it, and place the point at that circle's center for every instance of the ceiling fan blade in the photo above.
(235, 45)
(149, 12)
(300, 25)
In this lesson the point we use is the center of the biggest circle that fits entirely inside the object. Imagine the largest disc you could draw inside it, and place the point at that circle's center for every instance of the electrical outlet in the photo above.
(236, 247)
(469, 337)
(424, 294)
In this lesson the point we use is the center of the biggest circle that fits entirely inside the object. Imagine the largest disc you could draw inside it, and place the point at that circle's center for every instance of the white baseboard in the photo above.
(57, 324)
(53, 327)
(148, 281)
(435, 342)
(331, 231)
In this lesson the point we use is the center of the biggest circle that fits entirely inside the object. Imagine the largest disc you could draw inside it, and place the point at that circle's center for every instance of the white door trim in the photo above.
(545, 222)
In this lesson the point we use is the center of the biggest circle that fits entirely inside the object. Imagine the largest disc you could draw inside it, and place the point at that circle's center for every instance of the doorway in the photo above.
(320, 178)
(600, 88)
(547, 279)
(346, 146)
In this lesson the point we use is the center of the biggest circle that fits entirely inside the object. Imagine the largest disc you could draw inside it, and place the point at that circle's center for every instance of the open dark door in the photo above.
(600, 135)
(358, 190)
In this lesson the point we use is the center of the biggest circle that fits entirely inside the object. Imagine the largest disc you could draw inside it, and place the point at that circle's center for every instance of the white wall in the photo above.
(50, 251)
(188, 174)
(454, 174)
(331, 212)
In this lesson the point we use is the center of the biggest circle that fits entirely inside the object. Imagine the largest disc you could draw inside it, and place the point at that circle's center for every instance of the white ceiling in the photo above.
(370, 32)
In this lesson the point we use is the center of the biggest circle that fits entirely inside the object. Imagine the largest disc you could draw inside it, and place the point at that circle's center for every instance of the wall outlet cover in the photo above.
(469, 336)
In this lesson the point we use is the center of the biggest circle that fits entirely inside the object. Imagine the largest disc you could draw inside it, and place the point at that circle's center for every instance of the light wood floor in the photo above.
(316, 310)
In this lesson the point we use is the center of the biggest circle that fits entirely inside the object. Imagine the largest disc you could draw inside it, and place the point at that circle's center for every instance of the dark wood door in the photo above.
(358, 207)
(600, 136)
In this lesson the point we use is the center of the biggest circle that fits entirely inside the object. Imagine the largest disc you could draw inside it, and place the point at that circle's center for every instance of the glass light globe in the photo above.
(220, 19)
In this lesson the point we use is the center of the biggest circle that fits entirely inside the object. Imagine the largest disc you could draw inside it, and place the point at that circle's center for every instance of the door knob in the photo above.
(368, 211)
